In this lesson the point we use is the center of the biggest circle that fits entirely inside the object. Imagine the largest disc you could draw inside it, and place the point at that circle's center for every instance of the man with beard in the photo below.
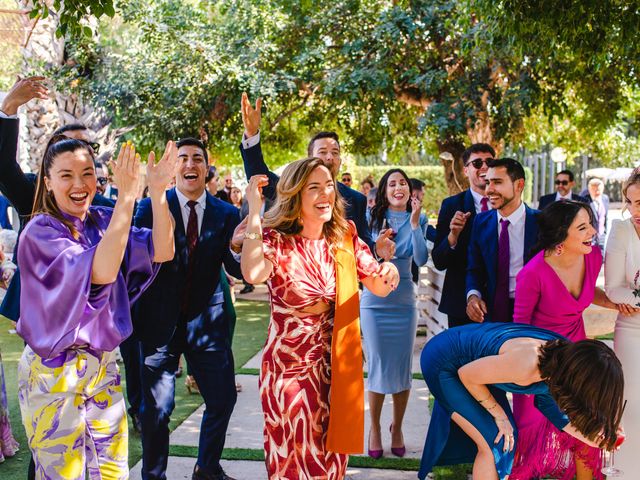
(501, 242)
(453, 232)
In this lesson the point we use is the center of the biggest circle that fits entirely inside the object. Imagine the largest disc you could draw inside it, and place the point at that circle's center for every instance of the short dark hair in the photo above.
(346, 173)
(568, 173)
(416, 184)
(196, 143)
(210, 173)
(318, 136)
(72, 127)
(477, 148)
(554, 222)
(514, 167)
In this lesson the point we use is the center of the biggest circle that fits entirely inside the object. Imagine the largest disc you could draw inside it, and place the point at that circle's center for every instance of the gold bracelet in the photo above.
(488, 398)
(491, 408)
(252, 236)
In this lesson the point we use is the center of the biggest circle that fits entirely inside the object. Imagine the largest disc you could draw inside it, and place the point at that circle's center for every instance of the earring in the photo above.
(559, 249)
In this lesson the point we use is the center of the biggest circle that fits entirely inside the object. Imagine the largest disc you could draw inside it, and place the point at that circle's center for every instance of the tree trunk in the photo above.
(451, 158)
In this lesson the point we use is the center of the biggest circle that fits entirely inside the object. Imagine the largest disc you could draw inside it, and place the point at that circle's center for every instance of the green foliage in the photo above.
(73, 14)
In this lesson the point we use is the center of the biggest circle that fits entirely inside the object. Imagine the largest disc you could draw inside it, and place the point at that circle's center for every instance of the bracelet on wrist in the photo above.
(492, 406)
(488, 398)
(252, 236)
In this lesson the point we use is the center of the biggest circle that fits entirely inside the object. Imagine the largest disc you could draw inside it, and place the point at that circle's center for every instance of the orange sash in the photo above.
(346, 397)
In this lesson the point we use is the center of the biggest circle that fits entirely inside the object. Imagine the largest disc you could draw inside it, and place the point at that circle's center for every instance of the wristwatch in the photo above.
(252, 236)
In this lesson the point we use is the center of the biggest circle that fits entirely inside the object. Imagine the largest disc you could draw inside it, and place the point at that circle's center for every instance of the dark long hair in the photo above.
(554, 222)
(44, 202)
(382, 202)
(586, 381)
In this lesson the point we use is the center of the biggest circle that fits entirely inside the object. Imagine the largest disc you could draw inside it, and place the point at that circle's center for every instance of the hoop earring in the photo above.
(559, 249)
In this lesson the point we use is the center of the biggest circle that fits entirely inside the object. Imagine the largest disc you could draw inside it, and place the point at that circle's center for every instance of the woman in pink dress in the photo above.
(552, 291)
(300, 255)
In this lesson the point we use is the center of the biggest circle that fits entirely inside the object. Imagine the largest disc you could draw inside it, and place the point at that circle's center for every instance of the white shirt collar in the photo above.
(202, 199)
(477, 197)
(560, 197)
(516, 217)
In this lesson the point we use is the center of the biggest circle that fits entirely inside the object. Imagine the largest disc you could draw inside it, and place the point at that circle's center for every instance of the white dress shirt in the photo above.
(251, 141)
(516, 244)
(4, 115)
(560, 197)
(517, 221)
(186, 211)
(477, 199)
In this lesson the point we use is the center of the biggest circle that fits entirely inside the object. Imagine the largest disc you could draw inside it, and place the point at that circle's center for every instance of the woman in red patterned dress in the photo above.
(296, 256)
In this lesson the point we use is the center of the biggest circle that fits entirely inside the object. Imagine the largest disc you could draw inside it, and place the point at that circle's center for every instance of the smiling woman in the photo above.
(82, 267)
(311, 383)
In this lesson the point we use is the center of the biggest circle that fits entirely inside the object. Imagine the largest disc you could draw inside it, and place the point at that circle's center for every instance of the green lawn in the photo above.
(249, 337)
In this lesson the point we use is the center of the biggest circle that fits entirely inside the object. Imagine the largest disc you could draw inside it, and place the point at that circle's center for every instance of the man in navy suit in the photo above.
(491, 271)
(599, 203)
(325, 146)
(565, 181)
(453, 232)
(183, 311)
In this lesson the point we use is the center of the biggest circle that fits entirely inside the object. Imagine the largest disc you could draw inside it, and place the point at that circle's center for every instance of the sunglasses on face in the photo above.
(478, 162)
(102, 180)
(564, 183)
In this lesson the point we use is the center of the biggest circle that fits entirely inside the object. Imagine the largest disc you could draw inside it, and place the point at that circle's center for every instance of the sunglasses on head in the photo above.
(95, 147)
(562, 182)
(478, 162)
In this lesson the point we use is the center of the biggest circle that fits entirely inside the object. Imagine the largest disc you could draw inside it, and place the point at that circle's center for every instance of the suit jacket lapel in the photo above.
(491, 238)
(469, 205)
(530, 232)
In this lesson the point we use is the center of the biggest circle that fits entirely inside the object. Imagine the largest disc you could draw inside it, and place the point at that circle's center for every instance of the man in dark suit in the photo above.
(324, 145)
(453, 232)
(599, 203)
(501, 242)
(565, 181)
(20, 188)
(183, 311)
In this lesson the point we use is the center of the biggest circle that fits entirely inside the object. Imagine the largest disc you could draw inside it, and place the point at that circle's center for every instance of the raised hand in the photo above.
(254, 192)
(23, 90)
(250, 116)
(160, 174)
(126, 171)
(456, 226)
(416, 206)
(385, 247)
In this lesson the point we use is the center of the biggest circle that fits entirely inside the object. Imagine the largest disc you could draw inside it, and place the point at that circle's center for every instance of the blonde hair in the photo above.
(284, 216)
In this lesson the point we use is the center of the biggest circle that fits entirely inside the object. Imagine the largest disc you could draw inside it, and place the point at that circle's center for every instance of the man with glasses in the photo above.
(102, 178)
(565, 181)
(346, 179)
(454, 230)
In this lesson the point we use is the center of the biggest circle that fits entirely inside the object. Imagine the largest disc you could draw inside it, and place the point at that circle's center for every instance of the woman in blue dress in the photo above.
(389, 324)
(577, 386)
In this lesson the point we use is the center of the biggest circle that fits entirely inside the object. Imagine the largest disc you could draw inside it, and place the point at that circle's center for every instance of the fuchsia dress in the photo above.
(543, 300)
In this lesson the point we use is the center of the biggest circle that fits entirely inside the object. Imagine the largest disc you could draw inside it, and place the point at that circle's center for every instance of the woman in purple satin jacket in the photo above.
(81, 268)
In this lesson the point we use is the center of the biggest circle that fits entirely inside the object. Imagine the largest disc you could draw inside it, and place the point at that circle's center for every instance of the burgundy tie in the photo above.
(501, 300)
(484, 202)
(192, 241)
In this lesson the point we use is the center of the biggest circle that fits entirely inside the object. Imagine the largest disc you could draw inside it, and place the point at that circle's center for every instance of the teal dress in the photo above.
(389, 323)
(446, 443)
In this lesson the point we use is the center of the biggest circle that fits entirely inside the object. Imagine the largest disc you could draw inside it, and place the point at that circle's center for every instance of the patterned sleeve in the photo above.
(366, 264)
(271, 241)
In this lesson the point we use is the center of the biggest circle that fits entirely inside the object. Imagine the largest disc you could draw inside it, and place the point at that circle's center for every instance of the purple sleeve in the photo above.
(59, 305)
(138, 266)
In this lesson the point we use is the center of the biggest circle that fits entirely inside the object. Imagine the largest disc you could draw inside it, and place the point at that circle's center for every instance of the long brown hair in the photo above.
(586, 381)
(284, 216)
(44, 202)
(379, 210)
